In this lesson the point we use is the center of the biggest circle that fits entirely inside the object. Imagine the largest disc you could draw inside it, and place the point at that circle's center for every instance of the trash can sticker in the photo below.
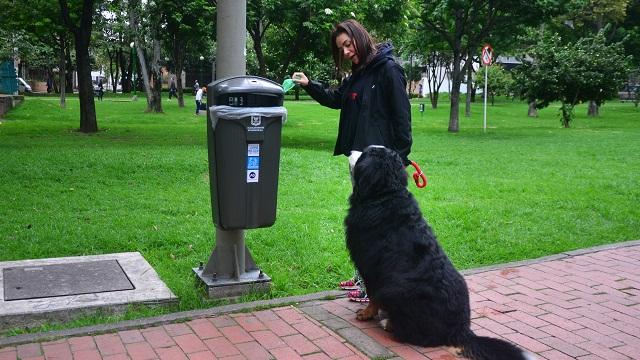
(253, 149)
(252, 176)
(253, 163)
(256, 121)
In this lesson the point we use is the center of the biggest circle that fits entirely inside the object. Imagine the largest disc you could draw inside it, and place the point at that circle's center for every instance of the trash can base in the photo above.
(221, 288)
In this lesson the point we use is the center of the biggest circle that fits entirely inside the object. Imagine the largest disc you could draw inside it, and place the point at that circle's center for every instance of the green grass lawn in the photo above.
(525, 188)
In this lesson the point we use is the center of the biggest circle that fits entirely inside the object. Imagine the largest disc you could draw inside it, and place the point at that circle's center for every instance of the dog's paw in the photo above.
(386, 324)
(367, 313)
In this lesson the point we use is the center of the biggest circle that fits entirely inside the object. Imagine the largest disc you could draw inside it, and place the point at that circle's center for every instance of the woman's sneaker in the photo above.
(359, 295)
(351, 284)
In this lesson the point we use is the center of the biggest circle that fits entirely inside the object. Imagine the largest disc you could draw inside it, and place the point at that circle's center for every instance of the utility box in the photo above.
(245, 120)
(8, 78)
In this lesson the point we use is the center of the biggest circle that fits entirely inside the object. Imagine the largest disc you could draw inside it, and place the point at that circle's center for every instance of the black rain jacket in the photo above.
(374, 106)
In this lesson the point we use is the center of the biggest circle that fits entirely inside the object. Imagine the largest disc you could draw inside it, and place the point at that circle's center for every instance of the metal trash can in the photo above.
(244, 130)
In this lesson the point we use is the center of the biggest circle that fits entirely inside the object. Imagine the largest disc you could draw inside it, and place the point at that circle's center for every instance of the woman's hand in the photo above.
(300, 78)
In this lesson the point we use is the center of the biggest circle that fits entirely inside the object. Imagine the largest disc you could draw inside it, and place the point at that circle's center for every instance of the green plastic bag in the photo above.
(288, 84)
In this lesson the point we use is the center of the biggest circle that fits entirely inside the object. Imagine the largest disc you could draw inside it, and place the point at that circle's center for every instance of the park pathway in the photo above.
(576, 305)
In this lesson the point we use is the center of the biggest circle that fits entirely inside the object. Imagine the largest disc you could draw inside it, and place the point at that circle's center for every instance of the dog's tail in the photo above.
(486, 348)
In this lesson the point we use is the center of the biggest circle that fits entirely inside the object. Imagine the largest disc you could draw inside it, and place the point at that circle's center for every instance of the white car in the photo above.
(23, 87)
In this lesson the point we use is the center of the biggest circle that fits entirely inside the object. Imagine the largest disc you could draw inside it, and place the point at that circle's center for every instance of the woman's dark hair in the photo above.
(365, 46)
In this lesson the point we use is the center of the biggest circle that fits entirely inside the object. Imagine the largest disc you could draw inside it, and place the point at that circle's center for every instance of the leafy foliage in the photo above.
(586, 70)
(465, 25)
(499, 81)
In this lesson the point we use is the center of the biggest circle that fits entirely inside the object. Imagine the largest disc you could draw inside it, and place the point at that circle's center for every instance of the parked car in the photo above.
(629, 92)
(23, 87)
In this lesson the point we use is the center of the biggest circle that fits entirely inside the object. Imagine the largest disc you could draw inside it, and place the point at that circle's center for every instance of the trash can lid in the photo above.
(246, 84)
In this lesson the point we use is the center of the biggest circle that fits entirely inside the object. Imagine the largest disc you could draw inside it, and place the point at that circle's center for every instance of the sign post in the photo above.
(487, 55)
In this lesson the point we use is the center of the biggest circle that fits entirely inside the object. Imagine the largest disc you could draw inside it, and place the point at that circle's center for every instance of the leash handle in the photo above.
(419, 177)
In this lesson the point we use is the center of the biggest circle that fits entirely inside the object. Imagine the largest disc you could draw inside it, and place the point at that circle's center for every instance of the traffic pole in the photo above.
(486, 70)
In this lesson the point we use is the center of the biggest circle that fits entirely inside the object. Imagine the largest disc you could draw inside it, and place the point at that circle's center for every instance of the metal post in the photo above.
(230, 271)
(486, 69)
(204, 83)
(232, 38)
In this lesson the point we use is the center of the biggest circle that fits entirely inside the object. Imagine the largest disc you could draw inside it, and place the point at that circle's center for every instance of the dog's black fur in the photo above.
(405, 271)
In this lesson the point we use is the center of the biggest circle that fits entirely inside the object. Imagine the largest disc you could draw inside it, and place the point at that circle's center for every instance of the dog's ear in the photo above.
(379, 170)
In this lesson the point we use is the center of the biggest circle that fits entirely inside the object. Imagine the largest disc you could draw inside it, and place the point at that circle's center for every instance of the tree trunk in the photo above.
(114, 66)
(438, 69)
(256, 35)
(456, 76)
(178, 58)
(469, 68)
(566, 110)
(110, 56)
(118, 57)
(63, 74)
(133, 22)
(533, 110)
(126, 69)
(594, 109)
(433, 98)
(82, 36)
(88, 121)
(180, 89)
(114, 83)
(155, 97)
(145, 73)
(68, 80)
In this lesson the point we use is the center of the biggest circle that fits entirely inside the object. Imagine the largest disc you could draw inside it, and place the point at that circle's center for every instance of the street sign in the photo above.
(487, 58)
(487, 54)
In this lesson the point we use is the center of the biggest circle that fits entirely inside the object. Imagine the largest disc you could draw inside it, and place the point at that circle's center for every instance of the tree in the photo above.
(572, 73)
(465, 25)
(585, 18)
(79, 21)
(629, 34)
(189, 24)
(39, 37)
(438, 67)
(113, 42)
(288, 35)
(499, 81)
(434, 54)
(149, 32)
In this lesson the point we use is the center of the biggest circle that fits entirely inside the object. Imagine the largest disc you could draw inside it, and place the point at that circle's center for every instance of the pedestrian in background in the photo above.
(199, 94)
(196, 87)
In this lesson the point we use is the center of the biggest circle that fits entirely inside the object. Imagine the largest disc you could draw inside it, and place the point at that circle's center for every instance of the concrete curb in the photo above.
(372, 349)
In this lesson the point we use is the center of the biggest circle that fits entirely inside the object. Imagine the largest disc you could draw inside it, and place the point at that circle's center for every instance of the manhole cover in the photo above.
(33, 282)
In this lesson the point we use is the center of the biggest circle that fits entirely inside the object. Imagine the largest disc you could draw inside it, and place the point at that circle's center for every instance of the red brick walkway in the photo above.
(580, 306)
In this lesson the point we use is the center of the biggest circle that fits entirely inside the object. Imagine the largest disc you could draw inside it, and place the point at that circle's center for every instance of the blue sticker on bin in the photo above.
(253, 162)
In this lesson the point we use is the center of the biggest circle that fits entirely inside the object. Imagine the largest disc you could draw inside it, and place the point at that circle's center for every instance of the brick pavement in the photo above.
(582, 305)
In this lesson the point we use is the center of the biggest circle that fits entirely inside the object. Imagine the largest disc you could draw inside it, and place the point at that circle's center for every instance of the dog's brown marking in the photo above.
(369, 312)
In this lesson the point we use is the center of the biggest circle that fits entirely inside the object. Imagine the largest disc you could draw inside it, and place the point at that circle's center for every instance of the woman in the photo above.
(373, 102)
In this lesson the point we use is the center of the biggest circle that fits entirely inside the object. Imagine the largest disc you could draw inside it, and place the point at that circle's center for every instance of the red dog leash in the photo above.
(419, 175)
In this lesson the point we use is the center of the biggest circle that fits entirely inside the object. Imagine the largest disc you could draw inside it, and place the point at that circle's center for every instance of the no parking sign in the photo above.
(487, 58)
(487, 54)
